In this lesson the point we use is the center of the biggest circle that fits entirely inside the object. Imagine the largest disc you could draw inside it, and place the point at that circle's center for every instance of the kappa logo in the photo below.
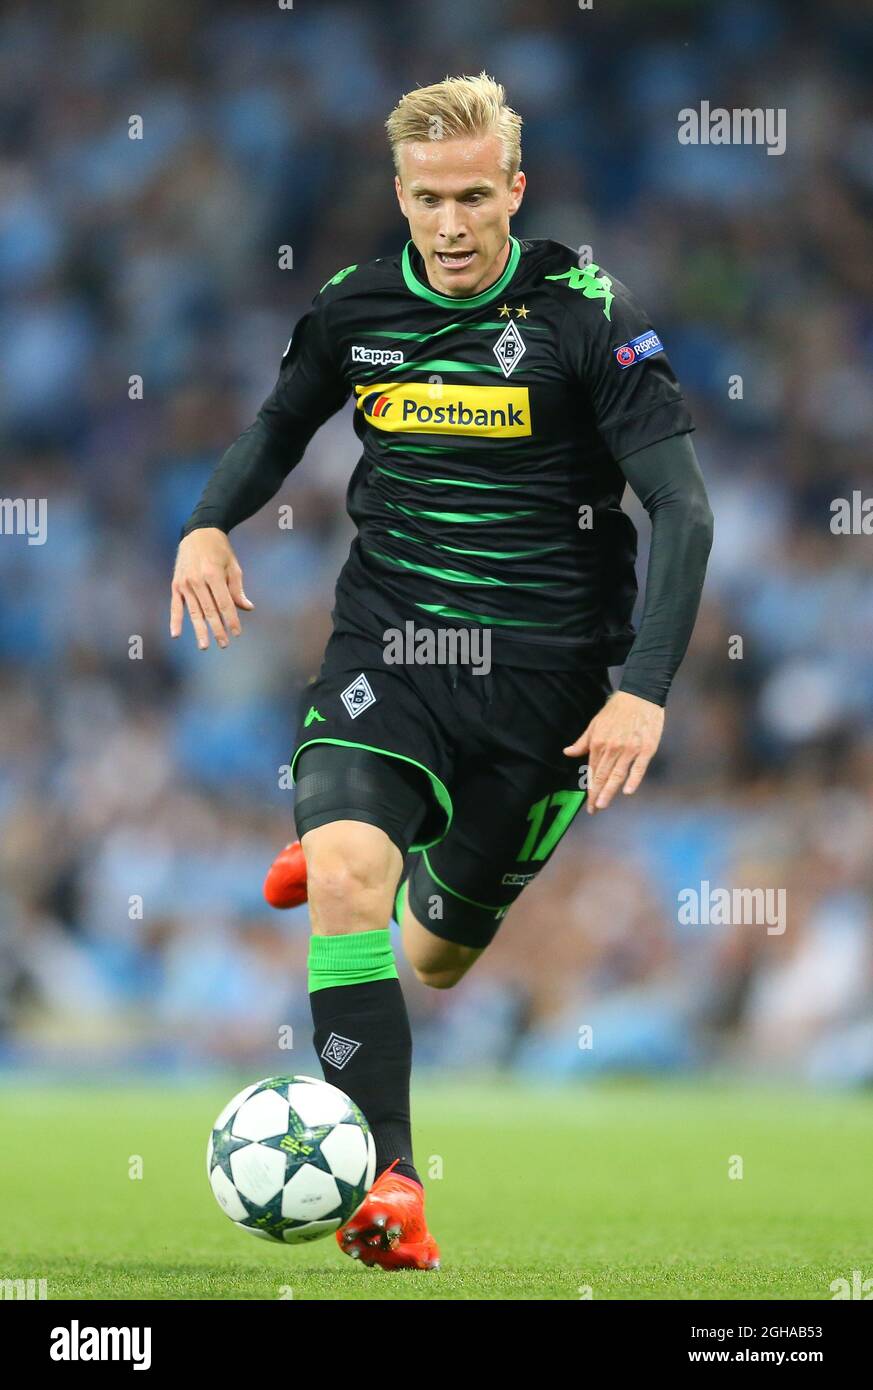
(592, 285)
(358, 696)
(377, 357)
(509, 349)
(339, 1050)
(339, 277)
(638, 348)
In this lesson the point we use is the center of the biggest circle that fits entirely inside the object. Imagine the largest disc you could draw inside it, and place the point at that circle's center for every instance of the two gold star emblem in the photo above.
(505, 312)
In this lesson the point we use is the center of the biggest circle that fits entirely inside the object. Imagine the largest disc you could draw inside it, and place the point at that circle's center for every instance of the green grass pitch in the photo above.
(622, 1189)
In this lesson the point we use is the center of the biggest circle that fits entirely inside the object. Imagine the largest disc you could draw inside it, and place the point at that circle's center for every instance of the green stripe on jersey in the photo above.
(486, 554)
(462, 518)
(445, 364)
(484, 618)
(433, 482)
(460, 576)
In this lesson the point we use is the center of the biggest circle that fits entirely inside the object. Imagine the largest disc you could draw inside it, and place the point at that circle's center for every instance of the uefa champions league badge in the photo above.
(644, 346)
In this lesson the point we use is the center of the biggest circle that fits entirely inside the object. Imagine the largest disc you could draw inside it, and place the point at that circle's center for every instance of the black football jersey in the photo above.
(488, 489)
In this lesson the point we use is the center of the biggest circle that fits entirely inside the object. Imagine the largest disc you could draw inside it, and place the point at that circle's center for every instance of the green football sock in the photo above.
(351, 958)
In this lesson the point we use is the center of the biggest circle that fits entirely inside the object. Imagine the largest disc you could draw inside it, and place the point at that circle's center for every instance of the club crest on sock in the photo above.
(339, 1050)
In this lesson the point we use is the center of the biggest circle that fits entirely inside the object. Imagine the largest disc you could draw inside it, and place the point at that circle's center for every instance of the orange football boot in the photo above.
(389, 1228)
(285, 884)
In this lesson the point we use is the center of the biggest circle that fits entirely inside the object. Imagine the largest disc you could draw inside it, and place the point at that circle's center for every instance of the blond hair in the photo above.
(457, 106)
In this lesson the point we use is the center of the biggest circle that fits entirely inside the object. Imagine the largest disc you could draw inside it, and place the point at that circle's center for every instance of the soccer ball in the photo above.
(290, 1159)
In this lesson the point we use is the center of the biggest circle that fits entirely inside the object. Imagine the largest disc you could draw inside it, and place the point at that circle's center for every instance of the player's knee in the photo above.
(342, 879)
(349, 879)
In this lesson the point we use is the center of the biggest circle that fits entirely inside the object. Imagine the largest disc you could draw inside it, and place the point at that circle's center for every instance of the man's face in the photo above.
(458, 202)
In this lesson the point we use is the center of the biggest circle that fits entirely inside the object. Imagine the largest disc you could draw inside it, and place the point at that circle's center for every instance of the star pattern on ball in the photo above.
(224, 1143)
(290, 1159)
(300, 1145)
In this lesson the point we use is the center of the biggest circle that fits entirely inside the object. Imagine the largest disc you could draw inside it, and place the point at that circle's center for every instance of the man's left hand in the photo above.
(620, 741)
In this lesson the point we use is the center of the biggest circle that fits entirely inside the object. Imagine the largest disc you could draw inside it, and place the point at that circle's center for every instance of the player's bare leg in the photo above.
(438, 963)
(352, 872)
(362, 1032)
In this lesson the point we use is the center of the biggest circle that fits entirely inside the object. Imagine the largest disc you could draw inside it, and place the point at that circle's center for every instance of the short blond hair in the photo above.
(453, 107)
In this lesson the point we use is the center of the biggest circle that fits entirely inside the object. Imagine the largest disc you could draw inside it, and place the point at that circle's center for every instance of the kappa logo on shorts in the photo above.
(339, 1050)
(358, 696)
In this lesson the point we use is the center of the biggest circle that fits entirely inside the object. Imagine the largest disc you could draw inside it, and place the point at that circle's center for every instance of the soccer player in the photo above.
(503, 395)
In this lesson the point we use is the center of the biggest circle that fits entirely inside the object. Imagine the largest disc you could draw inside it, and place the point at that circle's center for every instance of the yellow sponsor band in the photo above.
(500, 412)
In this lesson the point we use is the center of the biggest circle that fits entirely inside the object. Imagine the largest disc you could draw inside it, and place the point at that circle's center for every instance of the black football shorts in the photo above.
(499, 792)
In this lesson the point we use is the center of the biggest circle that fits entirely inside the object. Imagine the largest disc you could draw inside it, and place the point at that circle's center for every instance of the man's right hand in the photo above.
(208, 581)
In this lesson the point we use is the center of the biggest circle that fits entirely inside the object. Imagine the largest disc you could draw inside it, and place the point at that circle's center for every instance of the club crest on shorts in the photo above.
(339, 1050)
(358, 696)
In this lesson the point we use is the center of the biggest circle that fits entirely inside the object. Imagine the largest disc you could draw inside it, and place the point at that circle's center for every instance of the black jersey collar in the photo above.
(447, 301)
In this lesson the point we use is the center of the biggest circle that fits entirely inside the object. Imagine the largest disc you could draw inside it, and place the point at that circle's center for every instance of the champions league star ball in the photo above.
(290, 1159)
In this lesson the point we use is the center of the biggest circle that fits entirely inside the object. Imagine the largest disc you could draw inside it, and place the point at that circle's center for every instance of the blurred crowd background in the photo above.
(139, 794)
